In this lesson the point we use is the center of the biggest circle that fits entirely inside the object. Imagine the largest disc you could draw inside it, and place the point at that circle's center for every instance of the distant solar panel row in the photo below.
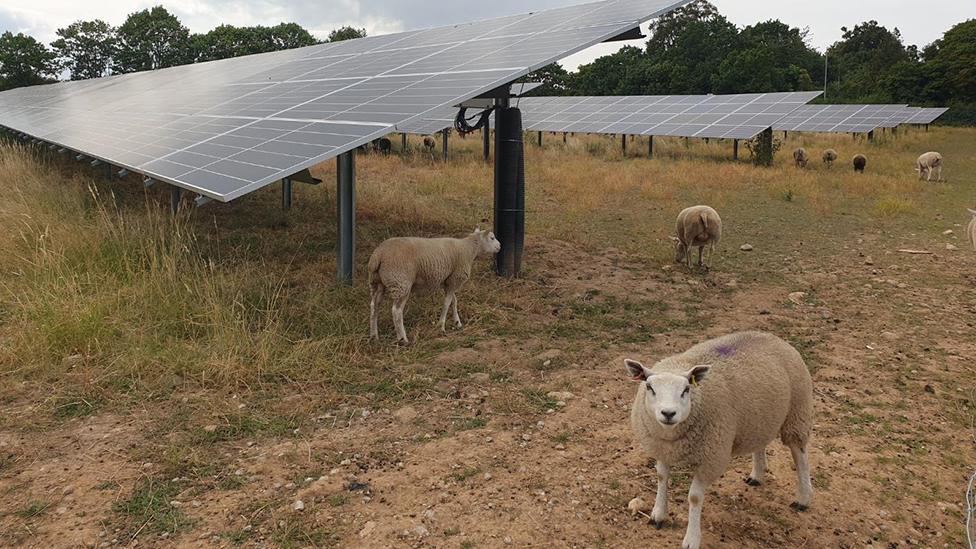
(843, 118)
(926, 115)
(229, 127)
(740, 116)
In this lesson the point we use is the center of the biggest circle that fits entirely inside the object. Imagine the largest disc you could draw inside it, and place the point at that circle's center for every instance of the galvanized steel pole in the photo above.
(346, 214)
(286, 193)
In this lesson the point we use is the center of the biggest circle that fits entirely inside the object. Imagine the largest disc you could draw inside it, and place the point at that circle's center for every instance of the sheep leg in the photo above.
(398, 306)
(758, 473)
(457, 317)
(660, 512)
(804, 489)
(696, 497)
(448, 299)
(374, 314)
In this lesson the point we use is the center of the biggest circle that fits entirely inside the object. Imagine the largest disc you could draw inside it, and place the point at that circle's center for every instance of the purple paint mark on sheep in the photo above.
(725, 350)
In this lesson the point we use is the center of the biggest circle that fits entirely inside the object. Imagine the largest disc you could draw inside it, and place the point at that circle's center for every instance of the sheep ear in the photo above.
(697, 374)
(972, 212)
(636, 370)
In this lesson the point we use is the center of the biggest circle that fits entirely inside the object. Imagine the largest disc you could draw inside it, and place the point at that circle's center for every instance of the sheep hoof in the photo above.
(753, 482)
(799, 507)
(658, 524)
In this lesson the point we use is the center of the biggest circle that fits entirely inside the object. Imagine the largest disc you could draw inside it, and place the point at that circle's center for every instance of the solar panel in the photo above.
(739, 116)
(442, 119)
(226, 128)
(926, 115)
(838, 118)
(898, 117)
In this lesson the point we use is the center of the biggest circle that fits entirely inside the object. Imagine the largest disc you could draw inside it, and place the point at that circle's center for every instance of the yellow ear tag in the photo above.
(694, 382)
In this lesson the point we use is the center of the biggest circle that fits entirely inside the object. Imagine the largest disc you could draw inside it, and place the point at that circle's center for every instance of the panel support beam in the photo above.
(403, 142)
(509, 189)
(346, 215)
(286, 194)
(735, 149)
(486, 143)
(540, 139)
(444, 136)
(650, 146)
(623, 144)
(175, 197)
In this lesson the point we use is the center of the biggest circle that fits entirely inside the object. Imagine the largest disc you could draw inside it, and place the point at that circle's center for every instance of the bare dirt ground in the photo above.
(514, 431)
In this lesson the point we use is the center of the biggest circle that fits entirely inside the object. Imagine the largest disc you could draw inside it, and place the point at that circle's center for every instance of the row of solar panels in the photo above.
(225, 128)
(740, 116)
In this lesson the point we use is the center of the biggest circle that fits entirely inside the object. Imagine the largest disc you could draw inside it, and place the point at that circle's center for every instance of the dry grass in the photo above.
(109, 306)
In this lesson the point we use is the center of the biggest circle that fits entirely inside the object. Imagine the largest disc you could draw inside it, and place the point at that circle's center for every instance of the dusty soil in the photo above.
(479, 462)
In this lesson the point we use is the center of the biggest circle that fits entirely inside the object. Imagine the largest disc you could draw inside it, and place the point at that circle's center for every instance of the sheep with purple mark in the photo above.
(722, 398)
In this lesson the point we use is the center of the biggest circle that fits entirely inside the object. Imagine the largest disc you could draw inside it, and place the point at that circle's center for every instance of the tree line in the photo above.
(149, 39)
(692, 50)
(697, 50)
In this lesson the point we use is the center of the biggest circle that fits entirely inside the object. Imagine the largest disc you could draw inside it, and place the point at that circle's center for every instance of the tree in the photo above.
(554, 78)
(772, 57)
(346, 33)
(24, 61)
(152, 39)
(861, 59)
(86, 48)
(951, 61)
(666, 29)
(285, 36)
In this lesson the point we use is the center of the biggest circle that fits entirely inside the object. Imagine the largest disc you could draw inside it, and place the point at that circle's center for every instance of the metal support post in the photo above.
(509, 189)
(346, 215)
(286, 193)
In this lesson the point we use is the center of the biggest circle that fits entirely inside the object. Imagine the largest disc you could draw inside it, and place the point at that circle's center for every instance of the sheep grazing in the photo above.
(382, 145)
(800, 157)
(928, 163)
(860, 162)
(726, 397)
(429, 143)
(401, 265)
(829, 156)
(971, 230)
(697, 226)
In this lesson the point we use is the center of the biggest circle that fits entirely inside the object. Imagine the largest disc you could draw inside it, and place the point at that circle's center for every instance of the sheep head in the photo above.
(487, 243)
(668, 395)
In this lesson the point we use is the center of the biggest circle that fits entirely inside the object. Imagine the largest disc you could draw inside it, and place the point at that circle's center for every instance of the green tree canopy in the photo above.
(952, 64)
(86, 48)
(861, 59)
(346, 33)
(24, 61)
(554, 78)
(230, 41)
(152, 39)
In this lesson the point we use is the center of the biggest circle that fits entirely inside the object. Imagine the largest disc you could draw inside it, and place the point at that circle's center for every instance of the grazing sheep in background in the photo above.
(860, 161)
(829, 156)
(971, 230)
(697, 226)
(401, 265)
(800, 157)
(382, 145)
(429, 143)
(726, 397)
(927, 163)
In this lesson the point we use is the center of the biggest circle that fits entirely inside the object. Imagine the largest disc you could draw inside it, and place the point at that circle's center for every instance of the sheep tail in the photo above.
(374, 269)
(704, 219)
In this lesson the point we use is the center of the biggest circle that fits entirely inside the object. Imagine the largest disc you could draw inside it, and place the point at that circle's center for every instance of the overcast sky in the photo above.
(919, 22)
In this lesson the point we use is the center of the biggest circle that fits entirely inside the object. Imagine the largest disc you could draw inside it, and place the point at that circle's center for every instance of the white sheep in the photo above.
(429, 143)
(800, 157)
(401, 265)
(829, 156)
(726, 397)
(971, 230)
(927, 163)
(698, 226)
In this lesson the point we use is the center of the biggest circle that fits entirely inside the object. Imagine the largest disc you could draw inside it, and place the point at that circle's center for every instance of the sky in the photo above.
(824, 18)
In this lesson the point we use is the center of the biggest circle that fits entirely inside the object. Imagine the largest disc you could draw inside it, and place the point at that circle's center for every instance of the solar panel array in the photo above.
(926, 115)
(740, 116)
(442, 119)
(229, 127)
(841, 118)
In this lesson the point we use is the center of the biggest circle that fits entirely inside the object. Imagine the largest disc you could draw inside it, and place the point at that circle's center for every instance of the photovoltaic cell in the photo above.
(926, 115)
(226, 128)
(840, 118)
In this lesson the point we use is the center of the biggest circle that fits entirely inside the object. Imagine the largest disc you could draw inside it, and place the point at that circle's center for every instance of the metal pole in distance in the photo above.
(286, 193)
(444, 135)
(650, 146)
(509, 189)
(871, 136)
(766, 147)
(623, 144)
(540, 139)
(735, 149)
(486, 142)
(346, 214)
(403, 142)
(175, 196)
